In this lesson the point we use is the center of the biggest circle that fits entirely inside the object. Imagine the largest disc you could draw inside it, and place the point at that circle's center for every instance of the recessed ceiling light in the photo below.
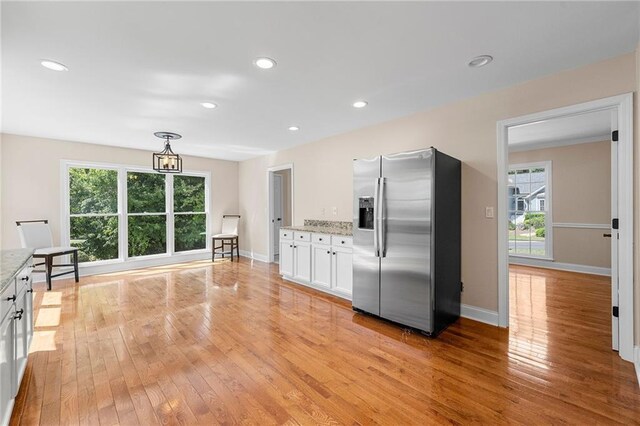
(52, 65)
(360, 104)
(294, 128)
(265, 63)
(480, 61)
(209, 105)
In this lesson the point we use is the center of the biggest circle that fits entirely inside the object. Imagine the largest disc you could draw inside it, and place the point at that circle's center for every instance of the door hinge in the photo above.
(615, 311)
(615, 223)
(461, 286)
(614, 136)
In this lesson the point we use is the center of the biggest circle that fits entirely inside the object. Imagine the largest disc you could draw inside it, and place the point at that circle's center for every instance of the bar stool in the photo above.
(227, 237)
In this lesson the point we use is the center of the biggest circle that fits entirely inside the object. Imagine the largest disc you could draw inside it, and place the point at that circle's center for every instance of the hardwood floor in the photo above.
(204, 343)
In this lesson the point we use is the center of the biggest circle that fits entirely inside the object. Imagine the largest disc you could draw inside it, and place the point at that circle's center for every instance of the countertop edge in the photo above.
(317, 230)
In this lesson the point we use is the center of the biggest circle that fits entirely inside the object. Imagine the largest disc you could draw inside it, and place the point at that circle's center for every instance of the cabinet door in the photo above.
(286, 258)
(7, 370)
(342, 269)
(28, 315)
(302, 261)
(321, 265)
(20, 338)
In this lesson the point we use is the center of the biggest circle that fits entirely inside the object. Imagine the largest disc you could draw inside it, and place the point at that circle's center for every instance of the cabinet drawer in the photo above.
(23, 279)
(321, 239)
(341, 241)
(302, 236)
(5, 305)
(286, 234)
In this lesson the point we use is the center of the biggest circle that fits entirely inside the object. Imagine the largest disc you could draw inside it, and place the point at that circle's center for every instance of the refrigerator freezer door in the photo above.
(366, 263)
(405, 269)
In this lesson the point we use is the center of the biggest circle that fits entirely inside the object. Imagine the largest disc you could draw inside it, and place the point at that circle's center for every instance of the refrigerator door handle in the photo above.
(376, 204)
(383, 221)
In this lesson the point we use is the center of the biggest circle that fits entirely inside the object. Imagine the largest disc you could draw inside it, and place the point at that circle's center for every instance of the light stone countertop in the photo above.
(11, 261)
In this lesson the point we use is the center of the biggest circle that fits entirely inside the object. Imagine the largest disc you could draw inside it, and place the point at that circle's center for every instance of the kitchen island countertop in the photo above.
(11, 261)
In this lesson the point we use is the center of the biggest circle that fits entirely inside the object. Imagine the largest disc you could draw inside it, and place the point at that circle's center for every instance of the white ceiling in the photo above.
(583, 128)
(141, 67)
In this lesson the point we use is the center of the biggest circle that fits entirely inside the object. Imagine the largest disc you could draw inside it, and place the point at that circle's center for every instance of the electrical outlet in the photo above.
(335, 211)
(488, 212)
(322, 211)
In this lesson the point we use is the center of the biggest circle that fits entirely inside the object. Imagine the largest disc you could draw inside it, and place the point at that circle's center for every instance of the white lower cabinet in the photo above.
(286, 258)
(7, 367)
(302, 260)
(342, 269)
(321, 273)
(318, 260)
(16, 333)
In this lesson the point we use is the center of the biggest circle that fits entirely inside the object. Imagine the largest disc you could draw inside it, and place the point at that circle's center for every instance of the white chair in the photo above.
(36, 234)
(228, 236)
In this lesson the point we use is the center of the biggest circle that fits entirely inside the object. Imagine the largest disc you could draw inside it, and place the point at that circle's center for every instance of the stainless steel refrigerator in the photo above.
(406, 238)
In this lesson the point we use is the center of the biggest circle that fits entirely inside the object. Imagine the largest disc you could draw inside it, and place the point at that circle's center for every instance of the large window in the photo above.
(146, 213)
(115, 213)
(93, 213)
(529, 210)
(190, 218)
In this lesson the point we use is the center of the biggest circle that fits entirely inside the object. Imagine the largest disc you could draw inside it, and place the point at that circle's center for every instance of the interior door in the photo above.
(614, 236)
(405, 268)
(277, 211)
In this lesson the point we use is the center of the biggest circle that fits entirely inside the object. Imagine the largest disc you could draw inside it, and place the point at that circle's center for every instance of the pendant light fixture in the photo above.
(167, 161)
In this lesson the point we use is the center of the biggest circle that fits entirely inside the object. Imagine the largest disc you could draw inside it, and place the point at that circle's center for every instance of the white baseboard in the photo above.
(479, 314)
(254, 256)
(584, 269)
(636, 361)
(85, 271)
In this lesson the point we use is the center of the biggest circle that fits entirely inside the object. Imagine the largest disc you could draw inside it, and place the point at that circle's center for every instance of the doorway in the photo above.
(280, 196)
(525, 220)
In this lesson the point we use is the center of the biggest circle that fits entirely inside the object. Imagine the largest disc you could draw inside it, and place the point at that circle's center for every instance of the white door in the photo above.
(302, 261)
(342, 270)
(321, 264)
(286, 258)
(276, 219)
(614, 235)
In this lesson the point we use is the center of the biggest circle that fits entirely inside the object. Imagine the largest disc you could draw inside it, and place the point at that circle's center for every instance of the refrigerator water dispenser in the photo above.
(366, 213)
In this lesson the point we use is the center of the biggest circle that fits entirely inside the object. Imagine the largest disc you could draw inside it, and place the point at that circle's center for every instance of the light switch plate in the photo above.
(488, 212)
(335, 211)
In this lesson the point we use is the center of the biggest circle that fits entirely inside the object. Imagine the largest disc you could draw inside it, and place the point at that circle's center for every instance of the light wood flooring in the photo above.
(228, 343)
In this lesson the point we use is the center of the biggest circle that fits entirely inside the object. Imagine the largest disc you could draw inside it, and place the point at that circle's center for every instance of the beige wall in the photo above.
(30, 176)
(465, 129)
(286, 196)
(581, 188)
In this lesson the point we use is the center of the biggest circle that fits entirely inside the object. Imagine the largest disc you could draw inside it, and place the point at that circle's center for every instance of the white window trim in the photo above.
(122, 215)
(548, 176)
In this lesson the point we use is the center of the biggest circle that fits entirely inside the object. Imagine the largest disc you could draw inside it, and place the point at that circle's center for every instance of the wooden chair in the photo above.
(36, 234)
(227, 237)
